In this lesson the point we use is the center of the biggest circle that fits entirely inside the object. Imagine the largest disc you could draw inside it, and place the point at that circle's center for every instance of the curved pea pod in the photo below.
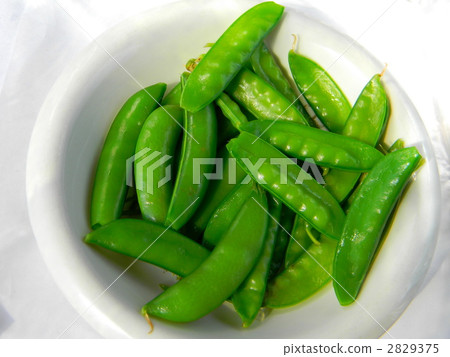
(367, 217)
(231, 110)
(174, 96)
(288, 182)
(151, 243)
(248, 298)
(302, 279)
(224, 215)
(365, 123)
(155, 149)
(282, 240)
(262, 100)
(110, 183)
(221, 273)
(300, 240)
(199, 142)
(217, 191)
(265, 65)
(228, 54)
(320, 91)
(325, 148)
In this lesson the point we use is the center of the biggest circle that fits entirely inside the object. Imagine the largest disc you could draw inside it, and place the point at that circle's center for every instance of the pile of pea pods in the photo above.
(267, 240)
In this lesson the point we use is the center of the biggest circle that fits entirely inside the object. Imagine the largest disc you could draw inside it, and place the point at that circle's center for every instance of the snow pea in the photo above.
(262, 100)
(223, 216)
(216, 193)
(231, 110)
(288, 182)
(248, 298)
(325, 148)
(199, 141)
(265, 65)
(228, 54)
(159, 135)
(307, 275)
(367, 217)
(221, 273)
(174, 96)
(366, 123)
(302, 236)
(320, 91)
(110, 183)
(151, 243)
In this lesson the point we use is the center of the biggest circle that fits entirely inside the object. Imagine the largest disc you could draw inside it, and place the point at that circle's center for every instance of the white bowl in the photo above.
(153, 47)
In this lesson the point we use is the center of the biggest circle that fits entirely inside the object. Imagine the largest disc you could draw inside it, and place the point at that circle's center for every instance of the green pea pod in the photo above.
(110, 184)
(217, 191)
(150, 243)
(199, 142)
(221, 273)
(174, 96)
(320, 91)
(325, 148)
(397, 145)
(156, 146)
(366, 219)
(248, 298)
(225, 129)
(300, 240)
(261, 99)
(302, 279)
(286, 223)
(228, 54)
(231, 110)
(288, 182)
(224, 215)
(372, 103)
(266, 66)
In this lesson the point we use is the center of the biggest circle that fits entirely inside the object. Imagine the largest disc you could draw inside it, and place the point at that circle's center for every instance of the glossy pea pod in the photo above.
(228, 54)
(266, 66)
(367, 217)
(232, 174)
(262, 100)
(302, 236)
(325, 148)
(224, 215)
(248, 298)
(110, 183)
(231, 110)
(151, 243)
(199, 142)
(365, 123)
(303, 278)
(155, 149)
(288, 182)
(282, 240)
(320, 91)
(221, 273)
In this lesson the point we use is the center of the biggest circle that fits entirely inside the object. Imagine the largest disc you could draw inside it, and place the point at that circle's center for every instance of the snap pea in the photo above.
(248, 298)
(225, 129)
(199, 141)
(367, 216)
(325, 148)
(151, 243)
(307, 275)
(281, 242)
(266, 66)
(224, 215)
(159, 135)
(320, 91)
(228, 54)
(216, 193)
(261, 99)
(174, 96)
(300, 240)
(231, 110)
(221, 273)
(306, 198)
(110, 183)
(365, 123)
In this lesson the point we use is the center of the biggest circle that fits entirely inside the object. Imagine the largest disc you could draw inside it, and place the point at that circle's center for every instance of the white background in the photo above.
(38, 38)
